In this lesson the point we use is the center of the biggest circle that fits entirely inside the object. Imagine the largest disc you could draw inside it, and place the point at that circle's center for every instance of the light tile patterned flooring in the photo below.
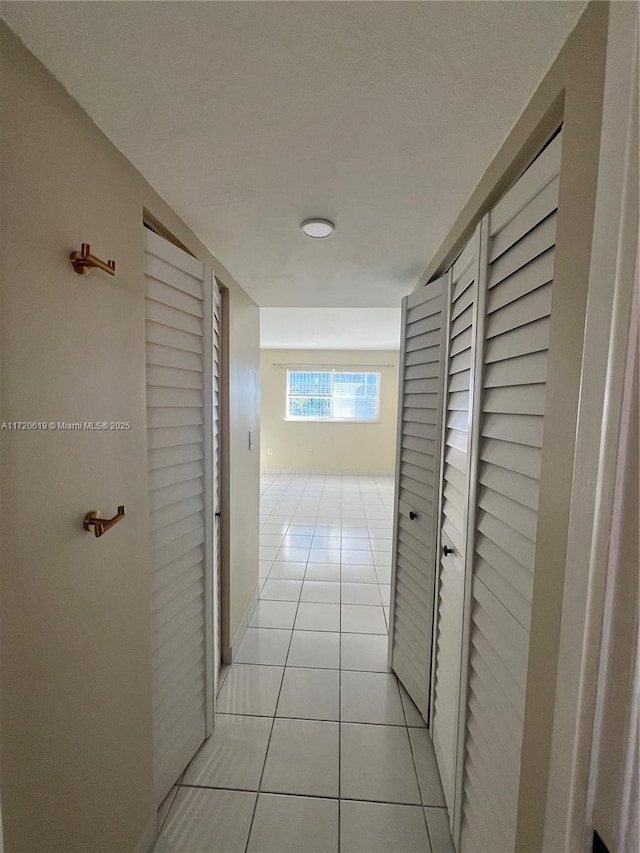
(316, 748)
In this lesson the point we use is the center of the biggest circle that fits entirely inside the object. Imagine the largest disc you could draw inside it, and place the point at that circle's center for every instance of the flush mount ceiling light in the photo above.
(318, 229)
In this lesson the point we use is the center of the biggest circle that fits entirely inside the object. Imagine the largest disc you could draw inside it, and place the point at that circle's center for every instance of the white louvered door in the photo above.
(462, 296)
(215, 372)
(417, 473)
(514, 333)
(181, 503)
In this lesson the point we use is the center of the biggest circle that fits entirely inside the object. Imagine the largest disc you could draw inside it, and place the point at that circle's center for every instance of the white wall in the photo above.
(75, 712)
(330, 447)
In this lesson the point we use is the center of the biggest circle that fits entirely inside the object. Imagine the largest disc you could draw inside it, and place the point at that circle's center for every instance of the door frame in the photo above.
(612, 278)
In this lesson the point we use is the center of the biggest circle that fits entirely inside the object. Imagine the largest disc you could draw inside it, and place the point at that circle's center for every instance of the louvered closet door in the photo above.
(417, 475)
(216, 351)
(178, 434)
(522, 231)
(455, 497)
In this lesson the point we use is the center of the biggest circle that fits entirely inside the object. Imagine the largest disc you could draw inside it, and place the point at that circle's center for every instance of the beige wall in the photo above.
(243, 516)
(353, 448)
(74, 610)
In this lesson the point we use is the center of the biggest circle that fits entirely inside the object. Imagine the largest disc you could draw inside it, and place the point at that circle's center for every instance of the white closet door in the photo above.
(178, 341)
(216, 354)
(417, 476)
(454, 506)
(522, 230)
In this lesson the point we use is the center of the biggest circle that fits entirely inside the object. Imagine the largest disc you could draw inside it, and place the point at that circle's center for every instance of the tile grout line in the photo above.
(312, 796)
(321, 719)
(340, 683)
(177, 787)
(375, 567)
(415, 769)
(360, 520)
(273, 721)
(319, 630)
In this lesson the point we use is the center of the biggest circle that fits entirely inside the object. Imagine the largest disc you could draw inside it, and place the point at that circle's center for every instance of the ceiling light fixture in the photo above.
(318, 229)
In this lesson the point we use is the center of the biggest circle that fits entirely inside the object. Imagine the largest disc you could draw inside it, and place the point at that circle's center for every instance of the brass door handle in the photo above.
(94, 523)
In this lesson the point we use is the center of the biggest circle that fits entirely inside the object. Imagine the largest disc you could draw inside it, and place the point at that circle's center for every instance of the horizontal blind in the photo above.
(455, 486)
(516, 333)
(417, 477)
(176, 443)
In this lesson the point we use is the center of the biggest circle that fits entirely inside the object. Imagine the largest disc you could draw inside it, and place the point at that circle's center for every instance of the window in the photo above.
(332, 395)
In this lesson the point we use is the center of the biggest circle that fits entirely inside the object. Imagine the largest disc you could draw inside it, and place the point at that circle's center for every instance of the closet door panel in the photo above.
(494, 737)
(534, 306)
(521, 282)
(542, 172)
(417, 473)
(453, 514)
(527, 250)
(512, 344)
(510, 445)
(538, 209)
(177, 335)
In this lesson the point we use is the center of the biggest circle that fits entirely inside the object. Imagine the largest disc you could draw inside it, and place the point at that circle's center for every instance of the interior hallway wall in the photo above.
(366, 448)
(74, 610)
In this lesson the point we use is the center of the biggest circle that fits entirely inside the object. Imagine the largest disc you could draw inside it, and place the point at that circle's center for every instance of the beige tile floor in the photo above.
(316, 748)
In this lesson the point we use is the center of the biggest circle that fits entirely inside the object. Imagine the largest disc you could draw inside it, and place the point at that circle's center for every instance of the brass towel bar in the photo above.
(94, 523)
(83, 262)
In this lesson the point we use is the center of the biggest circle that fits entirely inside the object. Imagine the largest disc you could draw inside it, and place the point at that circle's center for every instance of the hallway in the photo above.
(316, 747)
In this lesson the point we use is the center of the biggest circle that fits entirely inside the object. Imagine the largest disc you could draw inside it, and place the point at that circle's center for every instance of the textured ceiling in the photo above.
(330, 328)
(250, 117)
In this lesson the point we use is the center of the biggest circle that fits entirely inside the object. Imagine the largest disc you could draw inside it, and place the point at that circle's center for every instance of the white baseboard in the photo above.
(229, 651)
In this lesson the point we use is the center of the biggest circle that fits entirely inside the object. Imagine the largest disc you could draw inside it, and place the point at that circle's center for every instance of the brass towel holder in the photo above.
(83, 262)
(94, 523)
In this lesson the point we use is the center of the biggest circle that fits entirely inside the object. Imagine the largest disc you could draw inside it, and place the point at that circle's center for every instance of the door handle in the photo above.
(413, 515)
(446, 550)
